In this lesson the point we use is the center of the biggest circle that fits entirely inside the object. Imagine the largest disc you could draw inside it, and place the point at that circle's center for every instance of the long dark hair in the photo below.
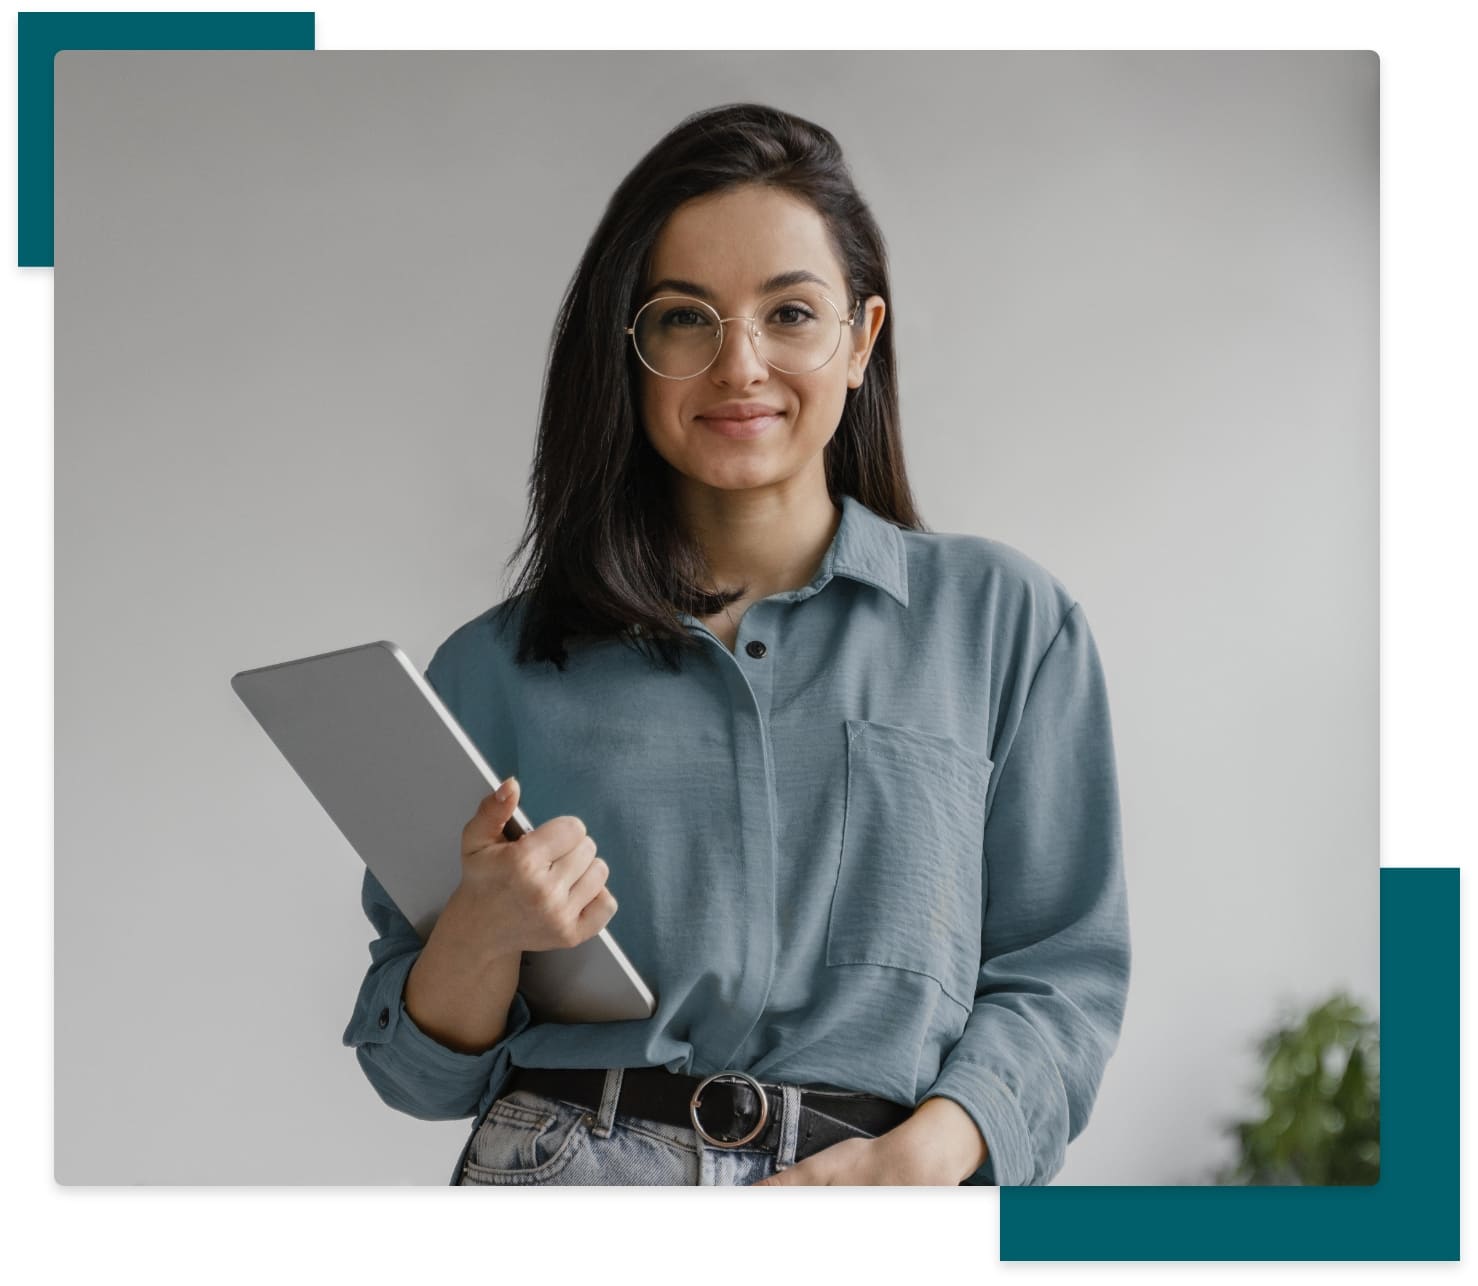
(609, 557)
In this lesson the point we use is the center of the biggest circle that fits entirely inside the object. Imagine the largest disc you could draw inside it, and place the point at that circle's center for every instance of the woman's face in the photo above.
(724, 248)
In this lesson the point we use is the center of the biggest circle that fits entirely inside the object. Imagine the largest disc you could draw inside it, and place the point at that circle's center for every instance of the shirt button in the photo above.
(384, 1018)
(755, 648)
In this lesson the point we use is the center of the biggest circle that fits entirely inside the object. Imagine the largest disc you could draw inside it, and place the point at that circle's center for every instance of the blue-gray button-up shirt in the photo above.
(881, 853)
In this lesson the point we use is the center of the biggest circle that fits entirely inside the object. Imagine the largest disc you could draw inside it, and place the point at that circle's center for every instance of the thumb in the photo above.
(506, 798)
(494, 811)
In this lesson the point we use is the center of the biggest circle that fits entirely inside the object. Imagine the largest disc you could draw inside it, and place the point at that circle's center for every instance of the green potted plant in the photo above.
(1321, 1102)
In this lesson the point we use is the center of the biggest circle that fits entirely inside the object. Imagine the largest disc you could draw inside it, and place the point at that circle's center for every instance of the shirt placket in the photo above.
(748, 672)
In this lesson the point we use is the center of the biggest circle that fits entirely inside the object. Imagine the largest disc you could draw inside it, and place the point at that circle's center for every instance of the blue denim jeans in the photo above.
(528, 1138)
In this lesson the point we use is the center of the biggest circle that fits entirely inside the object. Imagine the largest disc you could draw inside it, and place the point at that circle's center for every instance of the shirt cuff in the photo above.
(412, 1070)
(996, 1114)
(430, 1051)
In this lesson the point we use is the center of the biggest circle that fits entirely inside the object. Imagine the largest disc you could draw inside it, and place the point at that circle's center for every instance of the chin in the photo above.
(739, 480)
(733, 475)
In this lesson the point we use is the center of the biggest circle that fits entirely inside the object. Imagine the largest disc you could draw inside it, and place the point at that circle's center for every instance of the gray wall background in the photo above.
(302, 304)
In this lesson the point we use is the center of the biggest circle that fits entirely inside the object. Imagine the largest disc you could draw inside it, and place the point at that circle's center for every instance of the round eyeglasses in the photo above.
(795, 331)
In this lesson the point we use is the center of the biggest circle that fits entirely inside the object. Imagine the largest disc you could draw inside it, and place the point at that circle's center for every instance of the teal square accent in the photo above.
(1411, 1214)
(41, 36)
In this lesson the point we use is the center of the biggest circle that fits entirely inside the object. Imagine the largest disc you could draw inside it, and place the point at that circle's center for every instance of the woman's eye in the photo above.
(792, 314)
(684, 317)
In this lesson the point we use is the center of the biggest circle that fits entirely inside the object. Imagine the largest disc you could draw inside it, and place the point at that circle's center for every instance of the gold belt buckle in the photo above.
(697, 1098)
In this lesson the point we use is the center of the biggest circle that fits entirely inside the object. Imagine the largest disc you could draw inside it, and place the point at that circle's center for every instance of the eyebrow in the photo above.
(779, 281)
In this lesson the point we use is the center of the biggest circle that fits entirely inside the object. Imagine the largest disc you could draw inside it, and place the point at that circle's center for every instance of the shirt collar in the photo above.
(868, 548)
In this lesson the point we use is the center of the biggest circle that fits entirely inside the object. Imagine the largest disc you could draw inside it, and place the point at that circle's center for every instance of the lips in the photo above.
(742, 424)
(741, 419)
(739, 411)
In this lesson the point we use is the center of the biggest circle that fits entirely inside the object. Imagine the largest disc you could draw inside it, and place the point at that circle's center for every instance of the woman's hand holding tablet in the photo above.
(544, 890)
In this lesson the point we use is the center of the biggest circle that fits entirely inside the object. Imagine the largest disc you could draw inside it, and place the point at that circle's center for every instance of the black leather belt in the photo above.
(726, 1110)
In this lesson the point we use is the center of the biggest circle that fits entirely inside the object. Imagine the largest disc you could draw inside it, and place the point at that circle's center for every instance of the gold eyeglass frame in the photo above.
(843, 324)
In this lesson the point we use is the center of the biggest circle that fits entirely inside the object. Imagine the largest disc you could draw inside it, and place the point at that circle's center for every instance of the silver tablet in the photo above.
(400, 778)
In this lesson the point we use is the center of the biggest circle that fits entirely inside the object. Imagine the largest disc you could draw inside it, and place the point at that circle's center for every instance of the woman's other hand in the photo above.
(938, 1145)
(857, 1162)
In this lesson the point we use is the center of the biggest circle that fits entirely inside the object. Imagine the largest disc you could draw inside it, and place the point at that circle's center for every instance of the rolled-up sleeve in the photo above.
(409, 1070)
(1054, 973)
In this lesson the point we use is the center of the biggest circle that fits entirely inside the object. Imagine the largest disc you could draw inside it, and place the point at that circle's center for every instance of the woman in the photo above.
(851, 782)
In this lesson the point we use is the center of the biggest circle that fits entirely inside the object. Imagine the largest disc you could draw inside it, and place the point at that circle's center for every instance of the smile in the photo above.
(750, 428)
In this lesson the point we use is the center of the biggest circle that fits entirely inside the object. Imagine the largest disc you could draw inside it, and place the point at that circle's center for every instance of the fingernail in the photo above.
(505, 789)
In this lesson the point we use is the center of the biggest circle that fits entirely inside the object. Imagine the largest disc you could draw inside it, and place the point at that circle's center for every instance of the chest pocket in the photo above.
(908, 891)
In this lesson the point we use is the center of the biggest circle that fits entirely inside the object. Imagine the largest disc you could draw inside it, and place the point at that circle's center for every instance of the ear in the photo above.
(862, 336)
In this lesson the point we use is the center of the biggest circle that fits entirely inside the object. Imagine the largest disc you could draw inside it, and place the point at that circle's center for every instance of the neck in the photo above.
(770, 539)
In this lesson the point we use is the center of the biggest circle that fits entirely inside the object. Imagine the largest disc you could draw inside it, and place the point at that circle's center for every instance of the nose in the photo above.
(738, 363)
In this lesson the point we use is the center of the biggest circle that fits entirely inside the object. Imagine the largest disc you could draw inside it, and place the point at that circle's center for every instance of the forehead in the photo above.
(732, 241)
